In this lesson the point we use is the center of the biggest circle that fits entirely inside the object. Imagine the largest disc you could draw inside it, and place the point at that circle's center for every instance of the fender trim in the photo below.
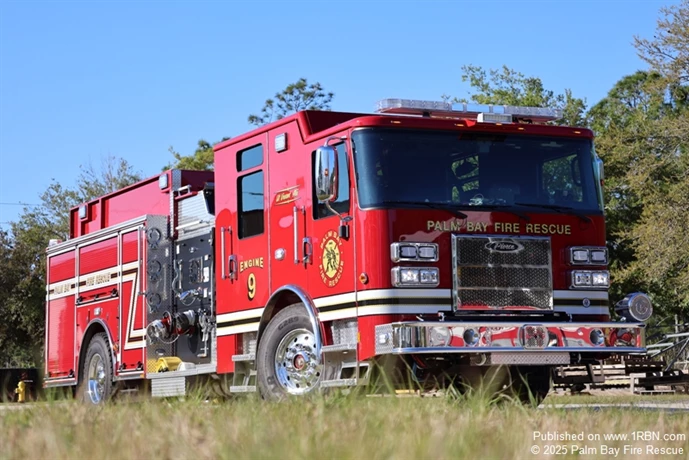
(316, 325)
(112, 350)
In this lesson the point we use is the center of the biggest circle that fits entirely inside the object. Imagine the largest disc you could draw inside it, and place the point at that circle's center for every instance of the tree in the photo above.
(668, 52)
(506, 86)
(295, 97)
(201, 159)
(22, 256)
(660, 239)
(642, 129)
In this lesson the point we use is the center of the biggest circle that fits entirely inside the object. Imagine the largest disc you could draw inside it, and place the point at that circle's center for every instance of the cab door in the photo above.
(332, 272)
(241, 178)
(290, 200)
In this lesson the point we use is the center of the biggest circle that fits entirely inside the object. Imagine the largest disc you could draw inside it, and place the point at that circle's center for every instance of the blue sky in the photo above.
(80, 80)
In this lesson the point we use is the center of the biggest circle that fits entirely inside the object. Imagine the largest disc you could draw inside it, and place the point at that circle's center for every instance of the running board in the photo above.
(339, 347)
(246, 357)
(243, 389)
(338, 383)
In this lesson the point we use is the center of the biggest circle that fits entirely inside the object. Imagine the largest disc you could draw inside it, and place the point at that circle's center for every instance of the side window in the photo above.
(562, 180)
(251, 204)
(249, 158)
(341, 205)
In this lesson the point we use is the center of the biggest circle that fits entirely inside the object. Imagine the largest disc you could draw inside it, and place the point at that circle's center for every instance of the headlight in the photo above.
(587, 279)
(439, 336)
(412, 276)
(638, 306)
(419, 252)
(588, 256)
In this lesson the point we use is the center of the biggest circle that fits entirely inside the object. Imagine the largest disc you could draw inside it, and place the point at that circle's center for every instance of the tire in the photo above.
(286, 362)
(96, 379)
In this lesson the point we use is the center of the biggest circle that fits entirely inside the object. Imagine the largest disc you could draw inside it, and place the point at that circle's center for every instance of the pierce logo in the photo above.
(504, 246)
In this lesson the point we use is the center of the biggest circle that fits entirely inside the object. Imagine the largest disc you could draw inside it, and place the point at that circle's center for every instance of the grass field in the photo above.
(328, 427)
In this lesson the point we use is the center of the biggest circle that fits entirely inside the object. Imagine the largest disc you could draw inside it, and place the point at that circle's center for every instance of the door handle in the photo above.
(307, 247)
(224, 270)
(232, 263)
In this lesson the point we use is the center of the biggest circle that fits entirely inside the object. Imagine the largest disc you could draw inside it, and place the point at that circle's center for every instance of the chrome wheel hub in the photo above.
(96, 379)
(297, 367)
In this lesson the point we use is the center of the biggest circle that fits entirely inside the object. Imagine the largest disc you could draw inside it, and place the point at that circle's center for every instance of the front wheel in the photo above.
(96, 384)
(287, 363)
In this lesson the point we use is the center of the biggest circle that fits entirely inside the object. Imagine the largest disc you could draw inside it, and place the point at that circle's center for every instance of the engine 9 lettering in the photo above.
(251, 286)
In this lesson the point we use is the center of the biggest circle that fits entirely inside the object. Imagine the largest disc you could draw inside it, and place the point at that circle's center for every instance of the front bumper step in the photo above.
(510, 342)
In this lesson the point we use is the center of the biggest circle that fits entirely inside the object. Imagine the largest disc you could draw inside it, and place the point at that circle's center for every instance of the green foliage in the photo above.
(22, 270)
(297, 96)
(506, 86)
(337, 428)
(200, 160)
(643, 136)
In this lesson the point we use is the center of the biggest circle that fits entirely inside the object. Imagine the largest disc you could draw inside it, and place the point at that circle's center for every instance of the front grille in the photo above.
(500, 272)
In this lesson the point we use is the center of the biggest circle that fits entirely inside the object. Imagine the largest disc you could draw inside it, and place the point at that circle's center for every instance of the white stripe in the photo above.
(337, 314)
(239, 315)
(402, 309)
(374, 294)
(230, 330)
(410, 293)
(108, 271)
(571, 294)
(334, 299)
(95, 237)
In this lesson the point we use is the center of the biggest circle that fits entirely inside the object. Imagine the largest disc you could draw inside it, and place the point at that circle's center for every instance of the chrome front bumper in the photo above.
(511, 342)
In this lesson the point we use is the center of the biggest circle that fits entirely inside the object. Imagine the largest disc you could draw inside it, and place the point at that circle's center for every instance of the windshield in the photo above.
(473, 169)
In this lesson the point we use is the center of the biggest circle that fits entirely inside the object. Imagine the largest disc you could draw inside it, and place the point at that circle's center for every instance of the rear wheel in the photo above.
(96, 385)
(287, 363)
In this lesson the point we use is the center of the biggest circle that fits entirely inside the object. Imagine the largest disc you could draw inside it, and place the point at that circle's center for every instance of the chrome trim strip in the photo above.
(59, 383)
(486, 350)
(581, 310)
(311, 310)
(521, 323)
(572, 294)
(107, 233)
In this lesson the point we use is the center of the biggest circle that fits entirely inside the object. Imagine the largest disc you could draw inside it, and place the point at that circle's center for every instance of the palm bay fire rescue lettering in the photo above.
(256, 262)
(457, 225)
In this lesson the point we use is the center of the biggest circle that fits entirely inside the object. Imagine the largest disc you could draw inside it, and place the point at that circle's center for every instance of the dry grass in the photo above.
(333, 427)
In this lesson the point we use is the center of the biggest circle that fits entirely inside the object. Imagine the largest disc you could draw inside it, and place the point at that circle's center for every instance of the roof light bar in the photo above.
(441, 109)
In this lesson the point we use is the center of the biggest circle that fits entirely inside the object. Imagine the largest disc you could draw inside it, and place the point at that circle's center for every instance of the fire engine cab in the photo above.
(435, 239)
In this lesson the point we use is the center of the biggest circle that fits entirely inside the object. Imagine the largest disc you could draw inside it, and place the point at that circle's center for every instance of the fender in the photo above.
(88, 331)
(316, 325)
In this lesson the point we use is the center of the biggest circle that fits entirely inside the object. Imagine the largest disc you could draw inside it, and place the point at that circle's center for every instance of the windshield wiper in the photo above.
(432, 205)
(558, 208)
(502, 207)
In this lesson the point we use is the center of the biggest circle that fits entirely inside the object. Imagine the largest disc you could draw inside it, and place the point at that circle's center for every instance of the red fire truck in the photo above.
(440, 240)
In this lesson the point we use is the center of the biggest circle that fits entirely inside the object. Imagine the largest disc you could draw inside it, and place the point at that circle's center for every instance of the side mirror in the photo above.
(574, 170)
(326, 174)
(599, 166)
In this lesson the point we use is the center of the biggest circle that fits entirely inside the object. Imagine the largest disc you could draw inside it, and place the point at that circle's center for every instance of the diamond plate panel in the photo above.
(344, 331)
(384, 339)
(168, 387)
(529, 358)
